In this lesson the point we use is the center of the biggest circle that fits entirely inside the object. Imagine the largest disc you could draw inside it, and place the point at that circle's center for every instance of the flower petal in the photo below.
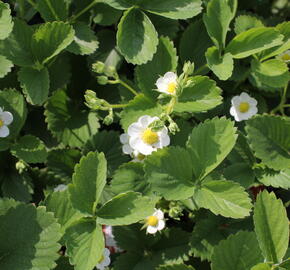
(124, 138)
(151, 229)
(127, 149)
(134, 129)
(7, 117)
(159, 214)
(161, 225)
(170, 76)
(4, 132)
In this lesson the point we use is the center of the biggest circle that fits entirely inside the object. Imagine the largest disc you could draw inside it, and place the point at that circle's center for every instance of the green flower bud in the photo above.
(102, 80)
(188, 68)
(98, 67)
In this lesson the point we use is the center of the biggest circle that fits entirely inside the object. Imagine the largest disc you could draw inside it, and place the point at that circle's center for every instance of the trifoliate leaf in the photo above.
(209, 143)
(245, 22)
(109, 143)
(85, 244)
(53, 10)
(239, 251)
(253, 41)
(273, 73)
(61, 162)
(59, 203)
(30, 149)
(274, 178)
(50, 39)
(125, 209)
(35, 244)
(201, 94)
(222, 66)
(5, 66)
(137, 38)
(17, 47)
(69, 125)
(194, 43)
(224, 198)
(85, 41)
(217, 20)
(169, 171)
(163, 61)
(272, 235)
(130, 177)
(140, 105)
(88, 182)
(182, 9)
(13, 102)
(6, 23)
(35, 84)
(269, 138)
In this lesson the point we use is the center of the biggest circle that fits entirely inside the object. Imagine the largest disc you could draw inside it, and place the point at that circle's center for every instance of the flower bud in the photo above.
(102, 80)
(98, 67)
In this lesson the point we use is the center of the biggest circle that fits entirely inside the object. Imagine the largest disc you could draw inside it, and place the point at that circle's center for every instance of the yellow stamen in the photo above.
(171, 87)
(1, 123)
(286, 57)
(149, 136)
(244, 107)
(152, 221)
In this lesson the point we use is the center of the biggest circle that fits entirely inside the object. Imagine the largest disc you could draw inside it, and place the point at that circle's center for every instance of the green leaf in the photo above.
(69, 125)
(253, 41)
(53, 10)
(85, 244)
(169, 171)
(109, 143)
(163, 61)
(61, 162)
(164, 26)
(106, 15)
(88, 182)
(59, 203)
(85, 42)
(190, 49)
(201, 94)
(129, 177)
(241, 173)
(17, 47)
(269, 138)
(245, 22)
(6, 23)
(239, 251)
(5, 66)
(182, 9)
(125, 209)
(224, 198)
(12, 101)
(217, 20)
(50, 39)
(175, 267)
(35, 245)
(261, 266)
(140, 105)
(272, 235)
(30, 149)
(35, 84)
(122, 4)
(222, 66)
(209, 143)
(274, 178)
(273, 73)
(284, 29)
(137, 38)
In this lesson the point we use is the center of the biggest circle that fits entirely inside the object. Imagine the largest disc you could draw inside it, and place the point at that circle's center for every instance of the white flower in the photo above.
(155, 222)
(285, 56)
(110, 239)
(143, 139)
(105, 260)
(243, 107)
(127, 149)
(167, 84)
(6, 119)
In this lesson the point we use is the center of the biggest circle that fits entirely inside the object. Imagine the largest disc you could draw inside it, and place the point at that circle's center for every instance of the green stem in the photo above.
(282, 102)
(118, 106)
(88, 7)
(286, 106)
(133, 91)
(52, 10)
(170, 106)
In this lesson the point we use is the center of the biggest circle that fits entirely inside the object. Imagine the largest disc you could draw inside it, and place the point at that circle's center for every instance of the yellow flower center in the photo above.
(1, 123)
(244, 107)
(149, 136)
(140, 156)
(152, 221)
(171, 87)
(286, 57)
